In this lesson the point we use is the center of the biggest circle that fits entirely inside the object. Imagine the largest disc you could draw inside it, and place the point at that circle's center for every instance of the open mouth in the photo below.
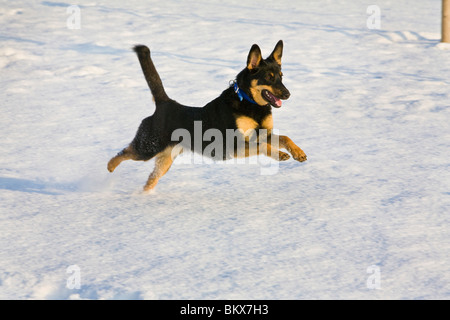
(269, 97)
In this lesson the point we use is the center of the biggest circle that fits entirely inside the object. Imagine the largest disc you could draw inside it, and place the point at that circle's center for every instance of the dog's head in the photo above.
(262, 78)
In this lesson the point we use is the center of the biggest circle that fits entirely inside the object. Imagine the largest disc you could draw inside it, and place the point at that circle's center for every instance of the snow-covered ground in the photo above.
(366, 217)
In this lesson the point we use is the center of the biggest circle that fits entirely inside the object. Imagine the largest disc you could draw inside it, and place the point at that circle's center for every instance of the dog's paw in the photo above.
(283, 156)
(298, 155)
(111, 166)
(148, 191)
(150, 185)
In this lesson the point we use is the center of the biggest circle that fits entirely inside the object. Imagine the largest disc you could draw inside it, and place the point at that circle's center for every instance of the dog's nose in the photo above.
(286, 95)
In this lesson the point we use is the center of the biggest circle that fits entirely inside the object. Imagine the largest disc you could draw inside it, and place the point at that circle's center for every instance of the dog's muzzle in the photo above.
(273, 100)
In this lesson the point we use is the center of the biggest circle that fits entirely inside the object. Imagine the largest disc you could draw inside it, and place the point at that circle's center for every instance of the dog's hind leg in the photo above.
(126, 154)
(163, 163)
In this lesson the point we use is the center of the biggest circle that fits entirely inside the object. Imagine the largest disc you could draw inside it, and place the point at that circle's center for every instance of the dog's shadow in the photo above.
(24, 185)
(91, 182)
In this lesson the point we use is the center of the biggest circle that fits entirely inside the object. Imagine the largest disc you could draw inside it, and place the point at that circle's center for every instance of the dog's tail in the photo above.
(150, 73)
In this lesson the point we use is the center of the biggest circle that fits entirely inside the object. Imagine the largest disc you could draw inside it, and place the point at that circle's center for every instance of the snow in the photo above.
(370, 108)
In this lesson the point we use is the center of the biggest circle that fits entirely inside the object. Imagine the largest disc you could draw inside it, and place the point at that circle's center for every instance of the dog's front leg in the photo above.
(286, 143)
(272, 151)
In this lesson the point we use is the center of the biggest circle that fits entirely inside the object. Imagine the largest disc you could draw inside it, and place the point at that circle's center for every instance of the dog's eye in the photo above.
(270, 77)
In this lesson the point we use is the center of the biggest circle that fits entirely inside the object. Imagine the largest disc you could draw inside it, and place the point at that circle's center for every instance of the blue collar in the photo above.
(242, 95)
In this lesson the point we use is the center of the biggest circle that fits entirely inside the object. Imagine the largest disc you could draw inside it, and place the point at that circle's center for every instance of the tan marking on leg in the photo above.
(273, 152)
(163, 163)
(246, 124)
(253, 149)
(126, 154)
(267, 122)
(292, 148)
(250, 149)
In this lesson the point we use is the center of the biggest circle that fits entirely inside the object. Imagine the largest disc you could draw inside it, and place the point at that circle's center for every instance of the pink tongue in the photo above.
(277, 102)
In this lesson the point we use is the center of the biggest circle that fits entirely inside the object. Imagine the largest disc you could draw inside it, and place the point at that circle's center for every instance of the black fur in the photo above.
(155, 132)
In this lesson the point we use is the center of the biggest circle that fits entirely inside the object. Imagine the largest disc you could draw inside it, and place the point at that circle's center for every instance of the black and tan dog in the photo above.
(246, 106)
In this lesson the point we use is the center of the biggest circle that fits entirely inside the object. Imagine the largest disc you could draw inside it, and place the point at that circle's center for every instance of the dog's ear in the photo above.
(277, 52)
(254, 57)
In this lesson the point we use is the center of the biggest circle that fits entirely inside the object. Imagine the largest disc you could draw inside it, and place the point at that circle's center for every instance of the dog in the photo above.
(246, 106)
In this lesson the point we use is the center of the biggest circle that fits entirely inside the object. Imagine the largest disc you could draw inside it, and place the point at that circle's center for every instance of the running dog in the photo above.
(246, 106)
